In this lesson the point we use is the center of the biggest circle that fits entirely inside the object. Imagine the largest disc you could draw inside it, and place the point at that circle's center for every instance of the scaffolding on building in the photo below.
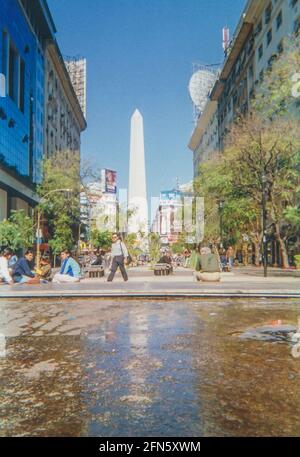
(76, 67)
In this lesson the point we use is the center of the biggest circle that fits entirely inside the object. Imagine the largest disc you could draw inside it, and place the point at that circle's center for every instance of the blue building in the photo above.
(26, 27)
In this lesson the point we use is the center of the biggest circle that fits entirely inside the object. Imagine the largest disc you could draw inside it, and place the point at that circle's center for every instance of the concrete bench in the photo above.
(162, 269)
(94, 272)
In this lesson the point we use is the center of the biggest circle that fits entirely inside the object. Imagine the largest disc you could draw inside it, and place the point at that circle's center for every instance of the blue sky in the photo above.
(139, 55)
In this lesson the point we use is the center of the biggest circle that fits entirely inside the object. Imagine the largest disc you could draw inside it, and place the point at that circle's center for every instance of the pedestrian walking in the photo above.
(230, 257)
(119, 255)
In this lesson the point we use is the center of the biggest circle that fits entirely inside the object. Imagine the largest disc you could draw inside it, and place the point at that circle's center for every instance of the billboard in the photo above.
(109, 179)
(169, 196)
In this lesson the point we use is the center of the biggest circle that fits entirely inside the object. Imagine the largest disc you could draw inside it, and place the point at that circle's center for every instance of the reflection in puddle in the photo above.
(149, 368)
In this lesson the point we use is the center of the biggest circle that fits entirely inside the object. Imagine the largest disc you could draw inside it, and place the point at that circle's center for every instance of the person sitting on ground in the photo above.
(208, 266)
(69, 271)
(45, 270)
(12, 261)
(22, 272)
(223, 259)
(5, 275)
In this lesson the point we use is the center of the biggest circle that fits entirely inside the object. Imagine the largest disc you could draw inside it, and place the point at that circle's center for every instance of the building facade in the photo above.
(24, 29)
(64, 119)
(258, 40)
(39, 110)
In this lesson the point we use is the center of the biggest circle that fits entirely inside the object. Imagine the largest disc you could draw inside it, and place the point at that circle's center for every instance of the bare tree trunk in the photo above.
(256, 253)
(284, 253)
(283, 249)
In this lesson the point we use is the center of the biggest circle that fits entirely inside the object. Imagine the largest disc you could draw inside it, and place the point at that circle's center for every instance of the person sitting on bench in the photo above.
(166, 259)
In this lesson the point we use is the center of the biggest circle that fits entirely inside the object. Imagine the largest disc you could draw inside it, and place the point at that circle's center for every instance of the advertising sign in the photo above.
(110, 178)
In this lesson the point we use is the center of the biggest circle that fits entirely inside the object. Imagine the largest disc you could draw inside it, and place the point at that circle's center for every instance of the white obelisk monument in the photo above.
(137, 195)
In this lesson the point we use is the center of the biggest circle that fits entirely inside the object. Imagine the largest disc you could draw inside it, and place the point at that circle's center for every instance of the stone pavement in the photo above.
(143, 283)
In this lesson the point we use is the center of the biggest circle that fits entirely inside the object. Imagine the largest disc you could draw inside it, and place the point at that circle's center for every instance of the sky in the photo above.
(140, 54)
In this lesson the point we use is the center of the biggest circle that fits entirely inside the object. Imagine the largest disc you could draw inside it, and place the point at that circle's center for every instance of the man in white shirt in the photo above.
(119, 254)
(5, 256)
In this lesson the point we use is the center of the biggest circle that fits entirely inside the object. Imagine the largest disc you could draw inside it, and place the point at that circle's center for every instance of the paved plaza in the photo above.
(142, 282)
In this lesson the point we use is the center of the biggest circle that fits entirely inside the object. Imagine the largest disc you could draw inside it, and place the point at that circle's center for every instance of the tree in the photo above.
(17, 232)
(278, 93)
(154, 244)
(181, 244)
(101, 239)
(216, 183)
(61, 171)
(133, 244)
(262, 155)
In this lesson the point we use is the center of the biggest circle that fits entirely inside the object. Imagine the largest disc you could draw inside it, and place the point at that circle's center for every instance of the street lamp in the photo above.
(264, 225)
(221, 208)
(42, 200)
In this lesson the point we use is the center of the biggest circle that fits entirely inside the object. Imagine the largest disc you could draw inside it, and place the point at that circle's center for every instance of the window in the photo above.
(280, 47)
(268, 13)
(260, 52)
(258, 28)
(251, 72)
(261, 76)
(13, 73)
(269, 37)
(279, 20)
(297, 26)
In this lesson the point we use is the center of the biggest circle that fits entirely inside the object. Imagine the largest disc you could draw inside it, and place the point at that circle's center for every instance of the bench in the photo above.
(162, 269)
(94, 272)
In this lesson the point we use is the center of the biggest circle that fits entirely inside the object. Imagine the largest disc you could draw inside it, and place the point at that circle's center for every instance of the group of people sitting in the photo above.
(24, 270)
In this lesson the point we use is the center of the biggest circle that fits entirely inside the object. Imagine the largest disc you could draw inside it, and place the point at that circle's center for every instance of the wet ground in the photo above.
(146, 368)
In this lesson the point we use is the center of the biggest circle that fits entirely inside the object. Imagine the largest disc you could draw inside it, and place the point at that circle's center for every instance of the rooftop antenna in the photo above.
(226, 38)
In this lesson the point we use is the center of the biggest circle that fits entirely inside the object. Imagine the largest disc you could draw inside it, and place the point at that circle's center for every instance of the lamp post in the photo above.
(264, 225)
(221, 208)
(43, 199)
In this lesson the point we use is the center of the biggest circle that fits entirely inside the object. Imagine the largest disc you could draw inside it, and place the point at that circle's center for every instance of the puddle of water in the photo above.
(272, 333)
(149, 368)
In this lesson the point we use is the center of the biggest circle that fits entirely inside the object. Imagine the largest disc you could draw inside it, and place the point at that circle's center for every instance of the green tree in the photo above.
(18, 231)
(154, 244)
(61, 171)
(240, 214)
(181, 244)
(262, 155)
(132, 244)
(278, 93)
(101, 239)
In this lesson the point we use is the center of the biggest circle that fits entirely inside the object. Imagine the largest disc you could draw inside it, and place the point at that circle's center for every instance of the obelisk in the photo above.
(137, 195)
